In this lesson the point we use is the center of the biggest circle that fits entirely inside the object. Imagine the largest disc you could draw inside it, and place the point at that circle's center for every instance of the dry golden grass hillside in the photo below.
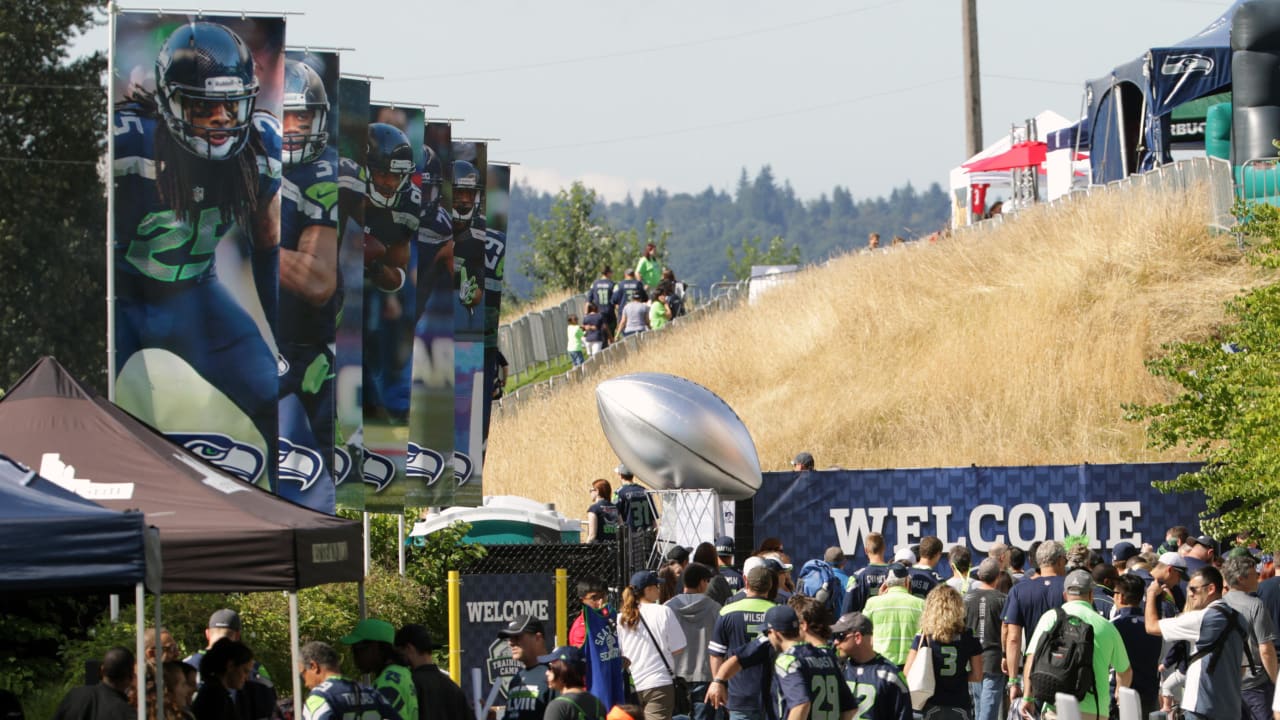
(1015, 345)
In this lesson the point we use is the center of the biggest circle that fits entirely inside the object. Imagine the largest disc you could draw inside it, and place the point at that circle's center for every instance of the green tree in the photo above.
(568, 248)
(777, 253)
(1226, 410)
(52, 205)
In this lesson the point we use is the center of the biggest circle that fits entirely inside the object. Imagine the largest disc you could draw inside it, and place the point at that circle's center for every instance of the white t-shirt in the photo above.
(647, 669)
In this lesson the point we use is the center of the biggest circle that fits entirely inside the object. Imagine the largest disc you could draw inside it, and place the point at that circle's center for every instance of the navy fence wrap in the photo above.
(976, 506)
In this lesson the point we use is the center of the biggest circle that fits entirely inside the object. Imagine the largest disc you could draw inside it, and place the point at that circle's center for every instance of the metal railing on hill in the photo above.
(538, 339)
(1181, 175)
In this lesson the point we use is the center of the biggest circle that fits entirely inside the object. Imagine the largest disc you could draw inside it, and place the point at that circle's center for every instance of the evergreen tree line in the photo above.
(704, 225)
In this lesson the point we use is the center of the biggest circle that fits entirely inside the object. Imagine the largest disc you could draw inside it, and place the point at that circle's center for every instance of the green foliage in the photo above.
(1226, 410)
(568, 247)
(52, 204)
(325, 613)
(778, 253)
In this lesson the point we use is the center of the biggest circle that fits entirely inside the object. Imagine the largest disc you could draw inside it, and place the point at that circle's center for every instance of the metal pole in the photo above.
(455, 626)
(159, 655)
(294, 652)
(366, 544)
(362, 600)
(115, 608)
(111, 223)
(562, 606)
(140, 617)
(400, 541)
(972, 78)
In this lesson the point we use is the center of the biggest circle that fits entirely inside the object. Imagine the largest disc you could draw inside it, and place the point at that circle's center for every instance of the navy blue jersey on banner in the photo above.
(169, 298)
(309, 197)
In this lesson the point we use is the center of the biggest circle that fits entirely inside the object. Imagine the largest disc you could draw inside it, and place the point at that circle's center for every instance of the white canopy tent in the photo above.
(961, 179)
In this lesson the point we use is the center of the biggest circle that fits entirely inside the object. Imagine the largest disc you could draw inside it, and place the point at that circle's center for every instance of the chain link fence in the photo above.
(600, 560)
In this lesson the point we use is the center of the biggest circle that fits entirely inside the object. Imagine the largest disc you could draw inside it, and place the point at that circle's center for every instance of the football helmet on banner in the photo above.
(466, 191)
(206, 89)
(389, 163)
(306, 133)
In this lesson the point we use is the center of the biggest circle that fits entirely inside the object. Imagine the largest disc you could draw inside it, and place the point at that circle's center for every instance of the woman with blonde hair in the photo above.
(956, 654)
(650, 637)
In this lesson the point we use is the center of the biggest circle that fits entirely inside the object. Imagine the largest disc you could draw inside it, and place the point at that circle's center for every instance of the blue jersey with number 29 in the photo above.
(809, 674)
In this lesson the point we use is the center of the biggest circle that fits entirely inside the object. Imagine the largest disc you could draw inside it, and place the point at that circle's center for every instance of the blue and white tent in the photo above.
(1128, 109)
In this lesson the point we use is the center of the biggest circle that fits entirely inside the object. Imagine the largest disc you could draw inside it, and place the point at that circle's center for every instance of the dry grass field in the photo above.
(1015, 345)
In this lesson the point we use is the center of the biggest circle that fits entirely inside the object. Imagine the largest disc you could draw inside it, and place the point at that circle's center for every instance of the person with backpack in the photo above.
(955, 652)
(1073, 650)
(1220, 642)
(819, 581)
(566, 675)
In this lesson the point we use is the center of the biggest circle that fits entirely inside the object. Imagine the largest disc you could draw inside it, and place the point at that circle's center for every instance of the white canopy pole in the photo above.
(140, 618)
(159, 657)
(400, 541)
(294, 652)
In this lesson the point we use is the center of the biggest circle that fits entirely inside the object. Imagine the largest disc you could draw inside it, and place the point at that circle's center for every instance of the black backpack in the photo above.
(1063, 660)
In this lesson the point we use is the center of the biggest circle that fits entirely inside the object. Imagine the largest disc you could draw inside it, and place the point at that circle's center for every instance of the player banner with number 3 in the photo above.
(195, 239)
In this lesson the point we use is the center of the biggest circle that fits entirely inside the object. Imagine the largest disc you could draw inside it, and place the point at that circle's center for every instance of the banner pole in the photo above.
(140, 618)
(294, 652)
(111, 206)
(562, 606)
(366, 544)
(400, 541)
(455, 626)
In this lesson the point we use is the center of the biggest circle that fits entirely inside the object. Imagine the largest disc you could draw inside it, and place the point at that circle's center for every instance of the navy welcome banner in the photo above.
(489, 602)
(974, 506)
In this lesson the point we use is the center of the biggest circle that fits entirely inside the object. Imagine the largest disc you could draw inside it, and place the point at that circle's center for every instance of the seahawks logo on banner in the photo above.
(231, 456)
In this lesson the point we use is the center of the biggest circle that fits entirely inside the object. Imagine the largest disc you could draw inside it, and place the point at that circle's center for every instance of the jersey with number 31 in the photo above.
(151, 242)
(309, 197)
(809, 674)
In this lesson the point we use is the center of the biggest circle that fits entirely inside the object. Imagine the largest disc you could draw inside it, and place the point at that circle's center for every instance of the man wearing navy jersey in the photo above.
(195, 164)
(1028, 600)
(724, 556)
(634, 505)
(878, 690)
(866, 582)
(601, 293)
(806, 677)
(738, 624)
(332, 696)
(308, 291)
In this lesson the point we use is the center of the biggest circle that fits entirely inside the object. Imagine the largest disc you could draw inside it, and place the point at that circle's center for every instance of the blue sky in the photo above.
(865, 93)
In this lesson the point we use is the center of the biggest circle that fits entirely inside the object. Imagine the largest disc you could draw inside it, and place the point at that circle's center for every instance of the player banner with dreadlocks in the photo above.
(469, 165)
(195, 240)
(353, 133)
(430, 466)
(497, 206)
(309, 287)
(389, 202)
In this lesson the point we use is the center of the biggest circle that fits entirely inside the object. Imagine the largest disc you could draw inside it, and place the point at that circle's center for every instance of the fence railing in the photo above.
(1181, 175)
(538, 338)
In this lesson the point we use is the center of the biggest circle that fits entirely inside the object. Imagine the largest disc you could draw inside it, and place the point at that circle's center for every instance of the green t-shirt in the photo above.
(895, 615)
(658, 315)
(649, 272)
(1108, 652)
(576, 339)
(395, 683)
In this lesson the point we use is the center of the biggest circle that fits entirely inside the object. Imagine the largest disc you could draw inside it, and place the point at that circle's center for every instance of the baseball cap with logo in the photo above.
(521, 624)
(1207, 541)
(724, 545)
(225, 619)
(898, 570)
(852, 622)
(1078, 582)
(904, 555)
(1122, 551)
(1174, 560)
(782, 618)
(565, 653)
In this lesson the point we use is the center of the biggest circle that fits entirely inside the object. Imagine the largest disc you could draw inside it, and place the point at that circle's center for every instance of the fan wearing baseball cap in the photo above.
(874, 680)
(650, 637)
(527, 691)
(566, 675)
(895, 614)
(372, 644)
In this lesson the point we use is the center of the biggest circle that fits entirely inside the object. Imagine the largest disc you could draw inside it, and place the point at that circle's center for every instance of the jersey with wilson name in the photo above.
(152, 244)
(806, 673)
(739, 623)
(309, 197)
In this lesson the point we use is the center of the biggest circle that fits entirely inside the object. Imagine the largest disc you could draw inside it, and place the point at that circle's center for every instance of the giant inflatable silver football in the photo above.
(675, 434)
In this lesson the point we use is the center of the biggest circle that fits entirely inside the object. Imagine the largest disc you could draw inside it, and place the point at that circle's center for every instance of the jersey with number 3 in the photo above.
(151, 242)
(809, 674)
(309, 198)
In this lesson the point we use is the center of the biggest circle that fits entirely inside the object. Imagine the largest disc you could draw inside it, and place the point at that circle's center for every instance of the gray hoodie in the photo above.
(697, 614)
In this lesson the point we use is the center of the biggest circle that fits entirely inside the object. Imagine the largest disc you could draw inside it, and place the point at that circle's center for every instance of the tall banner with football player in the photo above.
(309, 286)
(469, 165)
(391, 208)
(195, 238)
(497, 206)
(430, 462)
(353, 134)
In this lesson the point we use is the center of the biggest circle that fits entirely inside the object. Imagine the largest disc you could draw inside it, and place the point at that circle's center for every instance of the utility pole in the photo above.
(972, 82)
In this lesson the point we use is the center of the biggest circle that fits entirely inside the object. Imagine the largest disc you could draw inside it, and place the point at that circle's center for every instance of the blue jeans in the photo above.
(988, 697)
(701, 710)
(746, 715)
(576, 357)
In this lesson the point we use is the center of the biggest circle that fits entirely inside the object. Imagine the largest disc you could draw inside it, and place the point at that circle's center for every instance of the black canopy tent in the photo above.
(221, 534)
